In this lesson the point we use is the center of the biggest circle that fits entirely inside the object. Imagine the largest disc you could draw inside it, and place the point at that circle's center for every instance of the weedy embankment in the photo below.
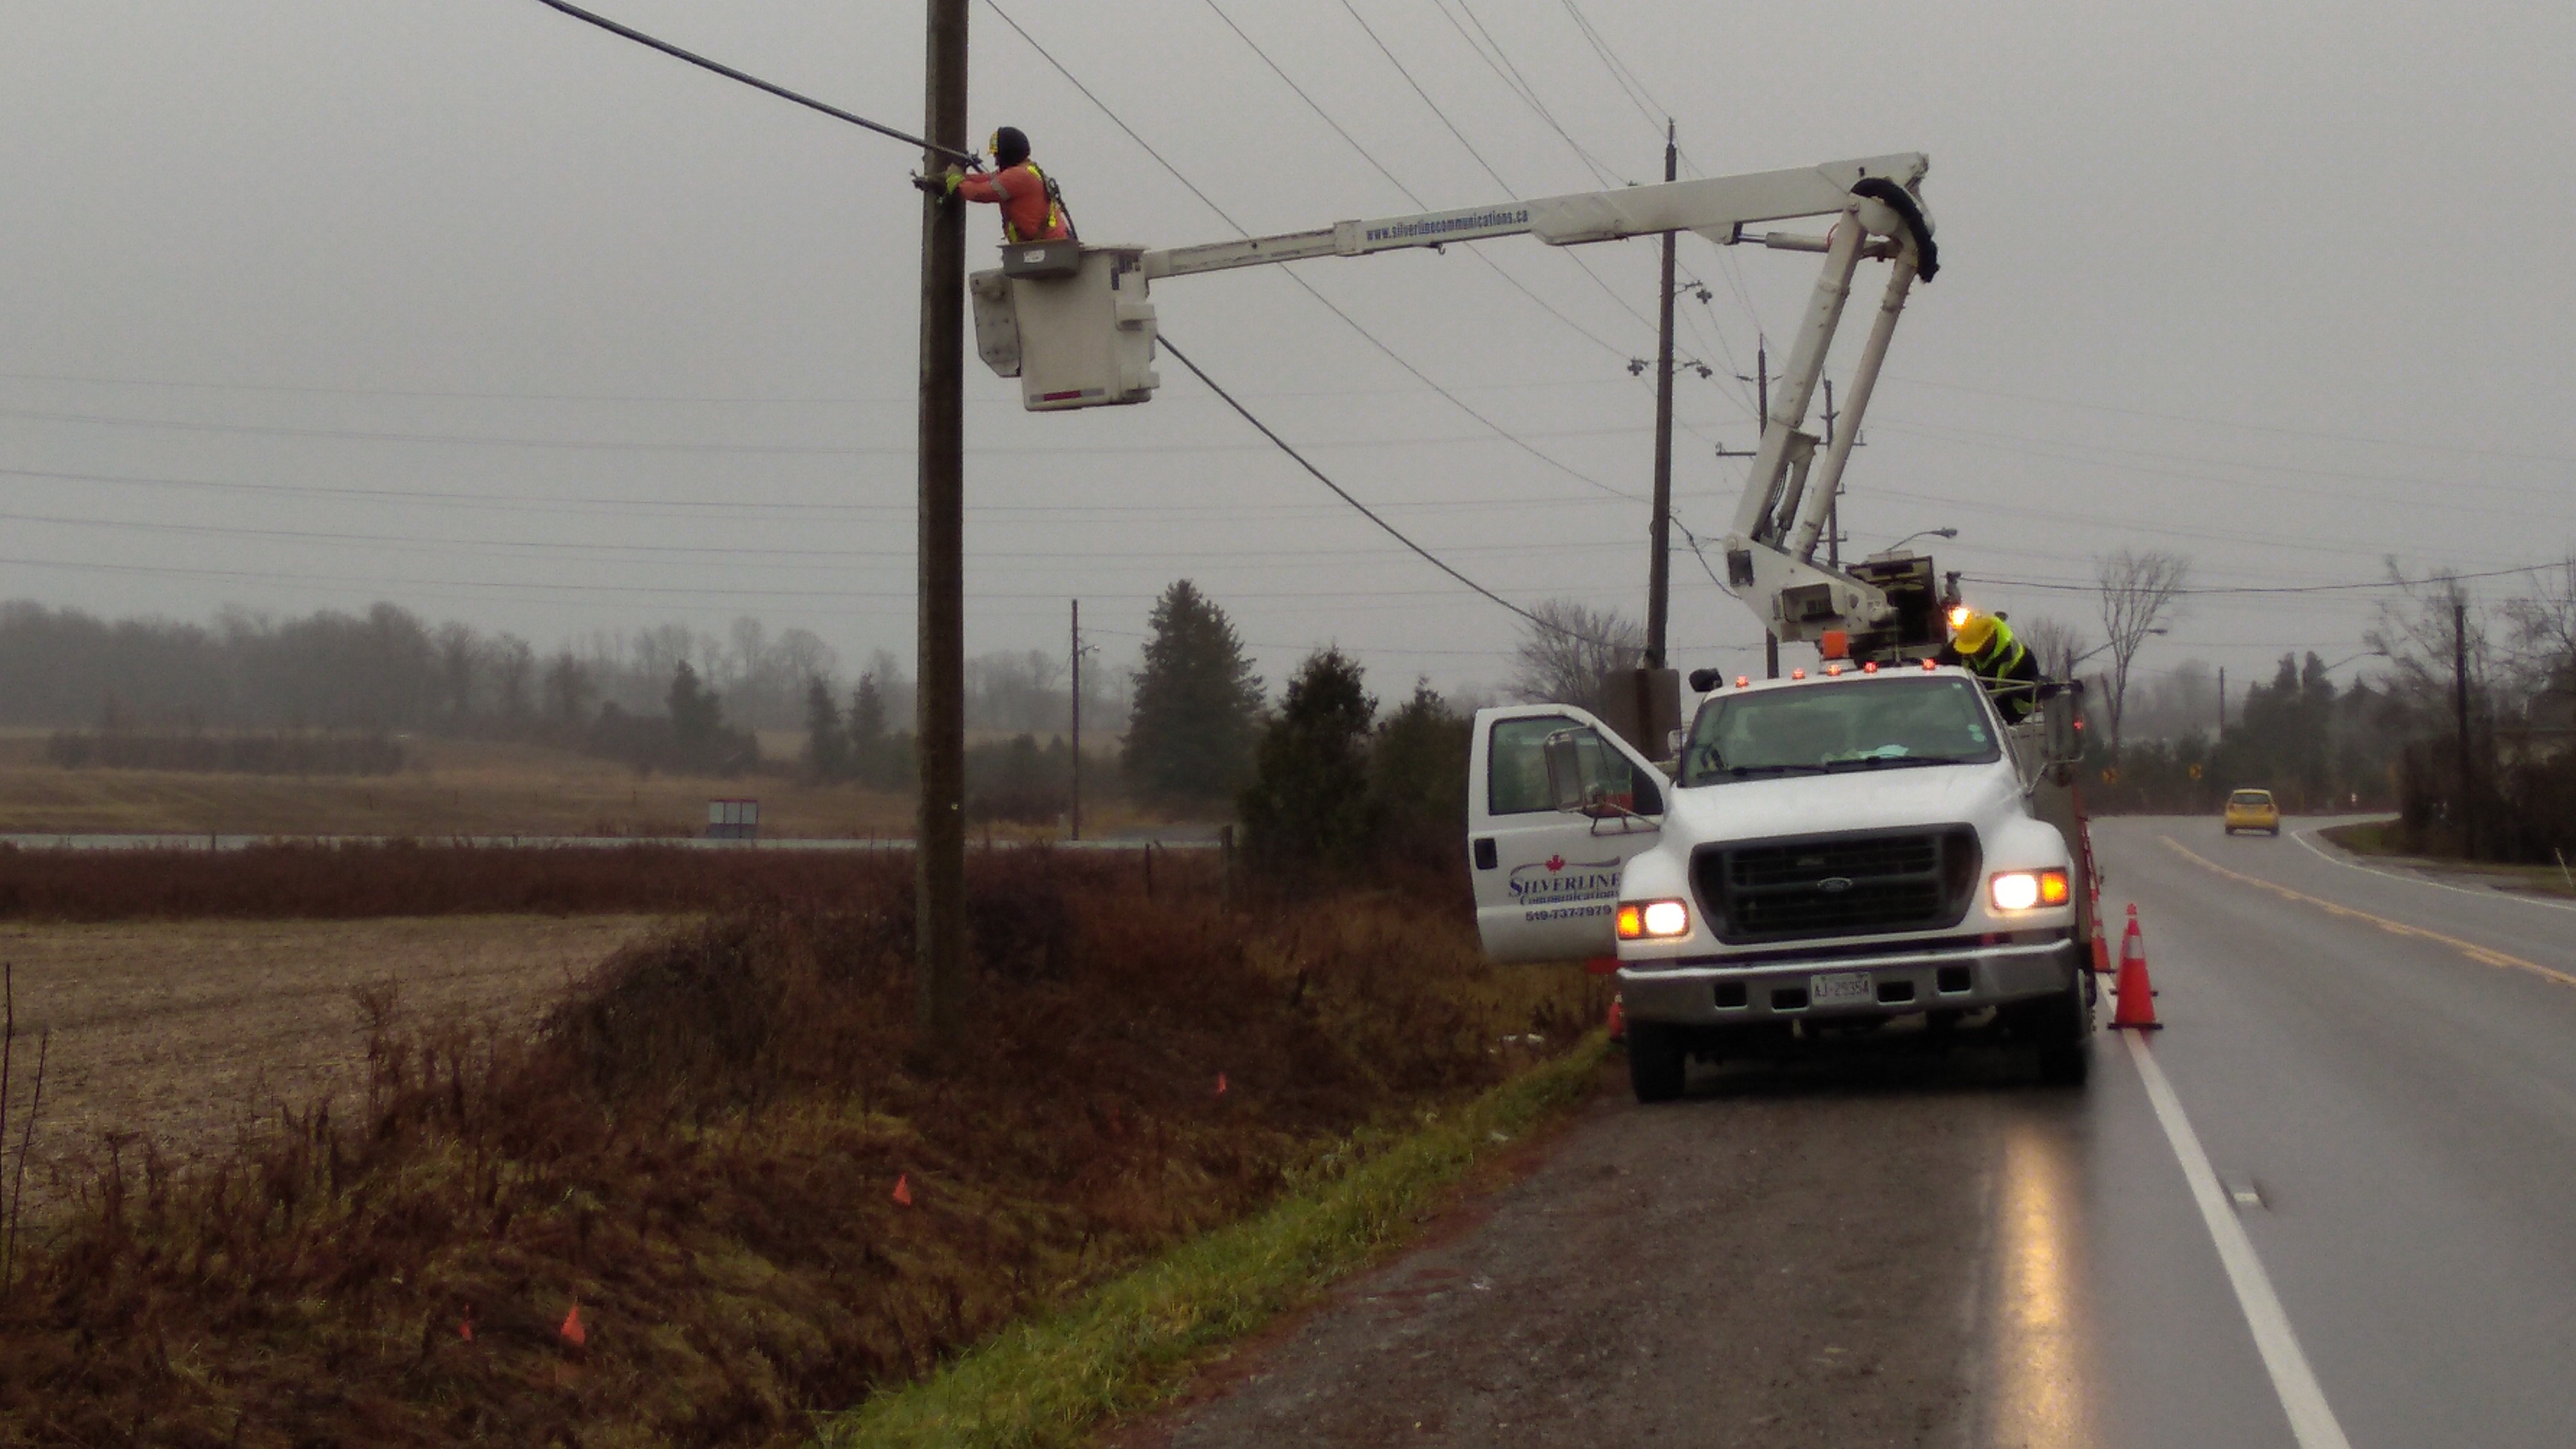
(671, 1213)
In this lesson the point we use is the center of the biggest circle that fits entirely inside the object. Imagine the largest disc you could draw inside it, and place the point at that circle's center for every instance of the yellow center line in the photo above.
(2475, 952)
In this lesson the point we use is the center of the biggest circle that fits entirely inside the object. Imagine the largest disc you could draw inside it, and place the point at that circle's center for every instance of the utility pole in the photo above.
(939, 935)
(2460, 707)
(2222, 702)
(1076, 832)
(1659, 578)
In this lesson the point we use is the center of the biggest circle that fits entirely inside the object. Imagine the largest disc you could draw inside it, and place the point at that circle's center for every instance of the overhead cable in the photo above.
(1477, 252)
(1308, 287)
(2071, 586)
(755, 82)
(1628, 81)
(1435, 560)
(1518, 84)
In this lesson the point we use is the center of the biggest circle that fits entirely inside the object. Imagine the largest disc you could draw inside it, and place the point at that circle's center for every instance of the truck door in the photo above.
(1547, 881)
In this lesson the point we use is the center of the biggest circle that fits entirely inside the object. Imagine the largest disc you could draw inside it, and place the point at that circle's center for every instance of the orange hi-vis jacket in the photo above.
(1028, 213)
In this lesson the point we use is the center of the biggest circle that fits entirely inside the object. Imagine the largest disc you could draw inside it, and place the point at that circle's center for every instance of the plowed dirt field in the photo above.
(188, 1032)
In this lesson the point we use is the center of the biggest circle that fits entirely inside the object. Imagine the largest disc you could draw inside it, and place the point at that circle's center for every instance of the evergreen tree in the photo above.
(696, 714)
(1197, 706)
(1418, 771)
(870, 751)
(1309, 805)
(827, 746)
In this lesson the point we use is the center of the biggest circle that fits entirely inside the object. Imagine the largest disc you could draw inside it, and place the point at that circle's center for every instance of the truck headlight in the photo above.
(1640, 920)
(2022, 890)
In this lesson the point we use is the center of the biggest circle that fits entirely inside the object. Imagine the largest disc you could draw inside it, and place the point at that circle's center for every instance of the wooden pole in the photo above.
(939, 942)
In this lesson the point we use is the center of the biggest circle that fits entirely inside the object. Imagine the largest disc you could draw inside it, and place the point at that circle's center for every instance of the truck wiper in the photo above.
(1743, 771)
(1894, 762)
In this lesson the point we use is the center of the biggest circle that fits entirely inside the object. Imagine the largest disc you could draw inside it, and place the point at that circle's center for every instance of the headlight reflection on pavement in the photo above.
(2038, 1372)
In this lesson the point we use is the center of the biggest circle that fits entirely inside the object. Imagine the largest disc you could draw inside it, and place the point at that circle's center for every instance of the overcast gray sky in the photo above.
(466, 305)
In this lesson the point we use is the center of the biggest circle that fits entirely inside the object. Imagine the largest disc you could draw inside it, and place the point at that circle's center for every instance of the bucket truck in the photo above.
(1866, 842)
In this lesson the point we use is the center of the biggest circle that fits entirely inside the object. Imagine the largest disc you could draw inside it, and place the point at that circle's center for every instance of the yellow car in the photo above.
(2253, 810)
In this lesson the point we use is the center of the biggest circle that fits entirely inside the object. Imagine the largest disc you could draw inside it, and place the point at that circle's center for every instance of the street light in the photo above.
(2347, 659)
(1918, 533)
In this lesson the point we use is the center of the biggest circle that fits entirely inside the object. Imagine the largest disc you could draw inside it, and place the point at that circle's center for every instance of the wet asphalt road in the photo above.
(1888, 1244)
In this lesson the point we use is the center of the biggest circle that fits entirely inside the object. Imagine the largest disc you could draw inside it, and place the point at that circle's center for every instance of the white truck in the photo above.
(1872, 838)
(1829, 852)
(1821, 853)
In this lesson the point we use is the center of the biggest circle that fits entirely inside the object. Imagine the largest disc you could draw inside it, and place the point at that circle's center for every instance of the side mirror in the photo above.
(1570, 783)
(2065, 716)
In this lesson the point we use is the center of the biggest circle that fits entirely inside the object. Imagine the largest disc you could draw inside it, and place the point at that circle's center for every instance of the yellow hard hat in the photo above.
(1971, 630)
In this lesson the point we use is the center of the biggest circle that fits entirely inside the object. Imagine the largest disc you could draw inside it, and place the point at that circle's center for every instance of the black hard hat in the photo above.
(1009, 146)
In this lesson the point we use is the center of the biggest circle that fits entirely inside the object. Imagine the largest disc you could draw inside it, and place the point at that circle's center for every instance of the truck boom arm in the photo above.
(1717, 207)
(1075, 325)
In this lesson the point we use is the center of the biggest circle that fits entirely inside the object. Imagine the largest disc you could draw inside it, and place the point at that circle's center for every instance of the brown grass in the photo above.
(400, 878)
(452, 788)
(699, 1148)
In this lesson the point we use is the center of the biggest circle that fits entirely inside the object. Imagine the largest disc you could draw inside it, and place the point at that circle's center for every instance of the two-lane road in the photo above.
(2385, 1068)
(1888, 1244)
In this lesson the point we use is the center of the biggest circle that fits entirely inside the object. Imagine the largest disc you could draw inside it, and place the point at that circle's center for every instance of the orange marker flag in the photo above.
(1220, 1084)
(572, 1331)
(903, 1189)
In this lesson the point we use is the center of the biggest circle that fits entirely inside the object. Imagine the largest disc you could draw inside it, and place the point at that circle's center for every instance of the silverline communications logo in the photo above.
(1556, 879)
(1484, 220)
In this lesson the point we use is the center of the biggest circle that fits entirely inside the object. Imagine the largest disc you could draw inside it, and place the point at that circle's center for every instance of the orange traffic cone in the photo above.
(1618, 1019)
(2101, 953)
(2137, 994)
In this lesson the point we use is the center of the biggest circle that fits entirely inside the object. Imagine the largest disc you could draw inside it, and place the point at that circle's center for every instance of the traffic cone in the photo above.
(2101, 953)
(1618, 1019)
(2137, 994)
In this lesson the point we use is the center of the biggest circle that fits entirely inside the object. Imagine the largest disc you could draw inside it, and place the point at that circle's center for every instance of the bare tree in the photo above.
(2426, 632)
(2137, 593)
(2057, 644)
(1566, 655)
(2544, 633)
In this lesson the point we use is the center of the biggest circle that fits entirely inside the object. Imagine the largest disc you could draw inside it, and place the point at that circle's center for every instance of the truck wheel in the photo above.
(1656, 1061)
(2065, 1034)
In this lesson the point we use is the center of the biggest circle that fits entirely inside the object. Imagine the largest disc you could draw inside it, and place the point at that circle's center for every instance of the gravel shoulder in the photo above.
(1793, 1255)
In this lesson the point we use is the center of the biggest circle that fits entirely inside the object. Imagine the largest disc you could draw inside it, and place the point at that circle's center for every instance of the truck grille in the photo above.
(1838, 885)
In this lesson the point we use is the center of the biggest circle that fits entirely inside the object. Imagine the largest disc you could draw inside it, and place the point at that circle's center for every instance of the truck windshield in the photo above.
(1858, 724)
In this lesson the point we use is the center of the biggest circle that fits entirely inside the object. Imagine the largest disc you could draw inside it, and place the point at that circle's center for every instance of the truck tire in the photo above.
(1657, 1063)
(2064, 1030)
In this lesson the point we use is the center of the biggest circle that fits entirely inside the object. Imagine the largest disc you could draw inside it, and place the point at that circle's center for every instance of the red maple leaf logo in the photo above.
(1555, 863)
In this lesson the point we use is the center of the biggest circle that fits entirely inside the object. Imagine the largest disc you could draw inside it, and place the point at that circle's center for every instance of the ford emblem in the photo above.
(1834, 884)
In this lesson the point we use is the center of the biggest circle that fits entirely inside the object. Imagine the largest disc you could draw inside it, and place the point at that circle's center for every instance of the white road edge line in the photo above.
(2312, 1422)
(2319, 852)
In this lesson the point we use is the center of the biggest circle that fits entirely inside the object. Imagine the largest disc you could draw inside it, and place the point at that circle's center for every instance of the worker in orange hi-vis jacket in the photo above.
(1032, 208)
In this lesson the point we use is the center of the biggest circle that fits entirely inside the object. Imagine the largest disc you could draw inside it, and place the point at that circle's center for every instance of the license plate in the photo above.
(1839, 988)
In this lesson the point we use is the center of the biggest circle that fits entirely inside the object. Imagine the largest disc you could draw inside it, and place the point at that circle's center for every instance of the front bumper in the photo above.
(1907, 978)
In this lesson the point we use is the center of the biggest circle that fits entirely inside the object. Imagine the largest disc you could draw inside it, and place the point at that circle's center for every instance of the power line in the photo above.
(1472, 250)
(1308, 287)
(2072, 586)
(1519, 85)
(755, 82)
(580, 505)
(1425, 96)
(728, 552)
(1629, 83)
(1365, 511)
